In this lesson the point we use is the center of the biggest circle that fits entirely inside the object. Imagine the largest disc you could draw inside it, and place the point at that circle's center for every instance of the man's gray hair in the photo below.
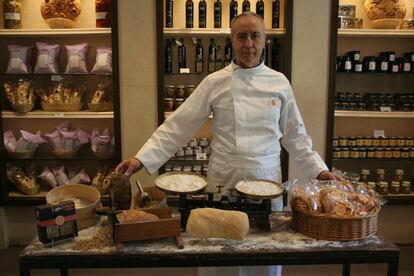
(244, 14)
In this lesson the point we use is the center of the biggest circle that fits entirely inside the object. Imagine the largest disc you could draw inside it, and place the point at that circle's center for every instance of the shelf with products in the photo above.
(58, 82)
(371, 88)
(169, 32)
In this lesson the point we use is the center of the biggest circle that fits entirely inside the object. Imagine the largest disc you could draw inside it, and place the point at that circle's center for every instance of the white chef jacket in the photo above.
(253, 109)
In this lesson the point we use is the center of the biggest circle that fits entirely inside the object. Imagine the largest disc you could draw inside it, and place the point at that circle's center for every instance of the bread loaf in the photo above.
(215, 223)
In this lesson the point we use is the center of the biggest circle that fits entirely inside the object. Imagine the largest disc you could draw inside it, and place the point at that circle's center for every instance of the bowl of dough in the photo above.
(85, 197)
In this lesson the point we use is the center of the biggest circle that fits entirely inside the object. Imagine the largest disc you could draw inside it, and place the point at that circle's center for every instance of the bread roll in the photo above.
(215, 223)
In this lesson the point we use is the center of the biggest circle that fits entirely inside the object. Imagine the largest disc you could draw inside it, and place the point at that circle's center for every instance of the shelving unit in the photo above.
(370, 42)
(34, 29)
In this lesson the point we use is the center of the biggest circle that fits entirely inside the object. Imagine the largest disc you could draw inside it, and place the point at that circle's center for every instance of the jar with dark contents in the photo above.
(335, 142)
(371, 186)
(383, 188)
(398, 175)
(411, 152)
(383, 141)
(379, 153)
(392, 141)
(180, 91)
(12, 14)
(344, 152)
(396, 153)
(387, 153)
(370, 152)
(178, 102)
(409, 142)
(169, 104)
(336, 153)
(169, 91)
(189, 89)
(405, 187)
(343, 141)
(405, 153)
(375, 142)
(362, 152)
(354, 153)
(369, 64)
(365, 175)
(367, 141)
(400, 141)
(103, 13)
(395, 187)
(359, 141)
(351, 141)
(380, 175)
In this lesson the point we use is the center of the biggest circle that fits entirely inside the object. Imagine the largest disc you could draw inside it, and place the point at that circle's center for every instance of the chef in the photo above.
(254, 113)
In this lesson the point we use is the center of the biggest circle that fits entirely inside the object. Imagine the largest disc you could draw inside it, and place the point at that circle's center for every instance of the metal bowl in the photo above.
(257, 196)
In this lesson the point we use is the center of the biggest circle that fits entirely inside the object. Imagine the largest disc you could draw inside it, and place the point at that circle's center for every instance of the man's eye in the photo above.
(242, 36)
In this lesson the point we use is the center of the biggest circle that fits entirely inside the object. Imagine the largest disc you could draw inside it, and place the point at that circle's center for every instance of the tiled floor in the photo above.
(9, 266)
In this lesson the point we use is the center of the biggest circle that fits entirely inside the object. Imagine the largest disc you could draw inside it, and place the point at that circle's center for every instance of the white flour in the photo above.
(258, 187)
(181, 182)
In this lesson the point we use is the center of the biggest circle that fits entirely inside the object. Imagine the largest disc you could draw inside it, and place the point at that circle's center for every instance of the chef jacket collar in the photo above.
(239, 69)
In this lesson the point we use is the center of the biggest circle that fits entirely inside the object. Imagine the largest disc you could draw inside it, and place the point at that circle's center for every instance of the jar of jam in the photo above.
(369, 64)
(197, 169)
(364, 177)
(336, 153)
(187, 169)
(383, 141)
(406, 187)
(380, 175)
(412, 153)
(188, 152)
(189, 90)
(193, 142)
(351, 141)
(371, 186)
(344, 152)
(379, 153)
(343, 141)
(180, 91)
(359, 141)
(387, 153)
(392, 141)
(394, 66)
(354, 153)
(370, 152)
(383, 188)
(103, 13)
(335, 141)
(395, 187)
(400, 141)
(362, 153)
(198, 150)
(398, 175)
(12, 14)
(177, 169)
(396, 153)
(168, 104)
(355, 55)
(375, 142)
(405, 153)
(367, 141)
(409, 142)
(169, 91)
(180, 152)
(177, 103)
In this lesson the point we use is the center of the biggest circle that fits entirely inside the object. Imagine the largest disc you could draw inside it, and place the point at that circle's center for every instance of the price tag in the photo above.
(379, 133)
(56, 77)
(59, 114)
(201, 155)
(184, 70)
(385, 108)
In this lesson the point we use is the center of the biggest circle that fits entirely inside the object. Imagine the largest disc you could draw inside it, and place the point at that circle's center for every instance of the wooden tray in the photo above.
(167, 226)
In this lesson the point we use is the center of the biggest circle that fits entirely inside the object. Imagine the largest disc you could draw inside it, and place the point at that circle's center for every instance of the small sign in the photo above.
(184, 70)
(56, 77)
(59, 114)
(385, 108)
(379, 133)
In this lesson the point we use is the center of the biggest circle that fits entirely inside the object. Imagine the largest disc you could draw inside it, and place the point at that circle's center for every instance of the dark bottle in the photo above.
(168, 56)
(199, 56)
(228, 51)
(275, 14)
(169, 13)
(212, 55)
(264, 55)
(275, 55)
(233, 10)
(217, 14)
(260, 8)
(246, 6)
(202, 14)
(189, 14)
(182, 62)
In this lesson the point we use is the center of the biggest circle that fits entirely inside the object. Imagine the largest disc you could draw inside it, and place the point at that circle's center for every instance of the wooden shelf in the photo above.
(399, 199)
(212, 31)
(372, 159)
(375, 33)
(38, 114)
(53, 32)
(374, 114)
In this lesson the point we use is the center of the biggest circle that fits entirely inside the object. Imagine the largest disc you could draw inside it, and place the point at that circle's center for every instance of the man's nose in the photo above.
(248, 42)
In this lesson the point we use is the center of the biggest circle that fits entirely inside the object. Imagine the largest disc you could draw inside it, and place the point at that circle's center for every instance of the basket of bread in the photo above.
(334, 210)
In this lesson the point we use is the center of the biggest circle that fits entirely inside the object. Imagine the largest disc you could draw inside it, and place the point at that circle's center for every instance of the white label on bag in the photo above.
(15, 62)
(42, 60)
(74, 61)
(12, 16)
(55, 77)
(101, 15)
(101, 60)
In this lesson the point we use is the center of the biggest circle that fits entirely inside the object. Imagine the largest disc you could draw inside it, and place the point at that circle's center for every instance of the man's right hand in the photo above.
(128, 167)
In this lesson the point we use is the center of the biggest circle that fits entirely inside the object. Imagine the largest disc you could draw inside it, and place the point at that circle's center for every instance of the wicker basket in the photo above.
(60, 23)
(333, 227)
(23, 108)
(100, 107)
(61, 107)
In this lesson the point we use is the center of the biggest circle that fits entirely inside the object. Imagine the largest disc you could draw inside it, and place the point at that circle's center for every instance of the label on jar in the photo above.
(407, 67)
(101, 15)
(371, 66)
(392, 57)
(395, 68)
(11, 16)
(384, 66)
(348, 65)
(358, 67)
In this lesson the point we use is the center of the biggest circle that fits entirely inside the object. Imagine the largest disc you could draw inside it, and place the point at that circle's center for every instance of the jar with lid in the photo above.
(364, 177)
(383, 188)
(367, 141)
(193, 142)
(197, 169)
(388, 153)
(103, 13)
(371, 186)
(178, 102)
(400, 141)
(369, 64)
(336, 153)
(180, 91)
(335, 141)
(411, 152)
(370, 152)
(406, 187)
(380, 175)
(180, 152)
(344, 152)
(198, 150)
(392, 141)
(12, 14)
(169, 104)
(394, 66)
(409, 142)
(379, 153)
(382, 64)
(395, 187)
(187, 169)
(405, 153)
(383, 141)
(359, 141)
(346, 64)
(355, 55)
(188, 152)
(396, 153)
(189, 89)
(343, 141)
(398, 175)
(375, 142)
(362, 152)
(204, 142)
(207, 150)
(351, 141)
(169, 91)
(354, 153)
(177, 169)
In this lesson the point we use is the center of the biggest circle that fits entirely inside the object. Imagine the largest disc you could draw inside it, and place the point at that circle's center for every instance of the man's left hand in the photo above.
(327, 175)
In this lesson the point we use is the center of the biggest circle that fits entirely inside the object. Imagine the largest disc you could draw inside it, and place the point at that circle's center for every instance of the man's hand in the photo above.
(327, 175)
(128, 167)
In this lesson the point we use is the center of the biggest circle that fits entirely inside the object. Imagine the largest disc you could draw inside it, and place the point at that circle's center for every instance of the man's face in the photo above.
(248, 40)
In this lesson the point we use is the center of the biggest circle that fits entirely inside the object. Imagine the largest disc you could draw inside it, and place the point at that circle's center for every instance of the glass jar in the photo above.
(387, 153)
(396, 153)
(400, 141)
(177, 169)
(180, 152)
(375, 142)
(177, 103)
(405, 153)
(370, 152)
(392, 141)
(12, 14)
(207, 150)
(335, 142)
(343, 141)
(398, 175)
(379, 153)
(409, 142)
(345, 153)
(198, 150)
(360, 141)
(189, 90)
(364, 177)
(169, 91)
(169, 104)
(380, 175)
(187, 169)
(395, 187)
(406, 187)
(180, 91)
(351, 141)
(188, 151)
(103, 13)
(197, 169)
(362, 153)
(204, 171)
(383, 188)
(383, 141)
(412, 153)
(193, 142)
(336, 153)
(367, 141)
(354, 153)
